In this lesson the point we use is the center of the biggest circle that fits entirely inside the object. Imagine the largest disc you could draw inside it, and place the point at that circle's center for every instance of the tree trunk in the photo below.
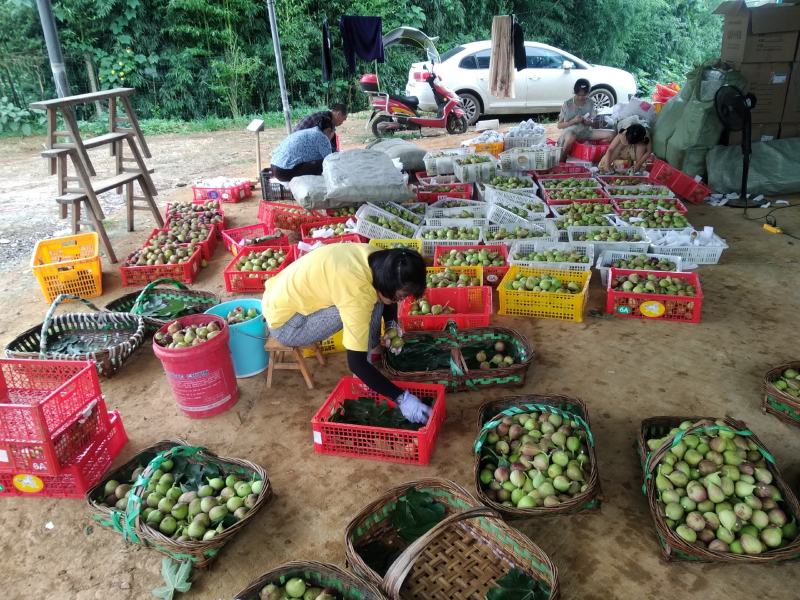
(14, 95)
(87, 59)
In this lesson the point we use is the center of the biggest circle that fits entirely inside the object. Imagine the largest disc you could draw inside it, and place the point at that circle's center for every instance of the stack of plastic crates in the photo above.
(57, 438)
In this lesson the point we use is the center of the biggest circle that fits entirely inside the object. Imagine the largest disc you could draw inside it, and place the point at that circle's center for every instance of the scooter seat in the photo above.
(411, 101)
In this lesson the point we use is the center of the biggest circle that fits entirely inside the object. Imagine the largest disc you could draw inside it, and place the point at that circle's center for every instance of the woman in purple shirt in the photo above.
(301, 153)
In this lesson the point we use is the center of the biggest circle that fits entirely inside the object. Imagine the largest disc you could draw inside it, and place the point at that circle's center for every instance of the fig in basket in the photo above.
(504, 182)
(518, 233)
(472, 257)
(449, 278)
(473, 159)
(535, 459)
(344, 211)
(642, 261)
(296, 588)
(187, 231)
(185, 337)
(607, 234)
(546, 283)
(789, 382)
(240, 315)
(569, 182)
(490, 357)
(187, 501)
(395, 225)
(453, 233)
(576, 219)
(552, 256)
(574, 194)
(263, 260)
(158, 253)
(716, 490)
(331, 230)
(652, 284)
(423, 307)
(649, 204)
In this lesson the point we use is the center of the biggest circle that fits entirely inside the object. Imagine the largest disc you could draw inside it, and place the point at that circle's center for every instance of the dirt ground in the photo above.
(624, 370)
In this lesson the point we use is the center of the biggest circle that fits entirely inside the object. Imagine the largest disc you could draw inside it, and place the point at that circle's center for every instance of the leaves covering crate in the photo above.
(253, 281)
(390, 444)
(547, 305)
(280, 215)
(492, 413)
(672, 546)
(68, 265)
(472, 306)
(654, 306)
(781, 402)
(449, 357)
(192, 460)
(462, 556)
(75, 478)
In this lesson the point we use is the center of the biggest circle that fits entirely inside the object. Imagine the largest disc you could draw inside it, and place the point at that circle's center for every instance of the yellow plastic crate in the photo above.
(330, 346)
(494, 148)
(546, 305)
(409, 243)
(471, 271)
(69, 265)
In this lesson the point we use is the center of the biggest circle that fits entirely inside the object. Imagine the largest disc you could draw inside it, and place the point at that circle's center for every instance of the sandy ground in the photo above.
(624, 370)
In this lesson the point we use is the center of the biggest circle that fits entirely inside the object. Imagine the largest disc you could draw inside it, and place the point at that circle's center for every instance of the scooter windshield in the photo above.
(409, 36)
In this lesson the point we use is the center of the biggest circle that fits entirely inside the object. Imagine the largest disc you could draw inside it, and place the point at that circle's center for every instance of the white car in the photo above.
(542, 87)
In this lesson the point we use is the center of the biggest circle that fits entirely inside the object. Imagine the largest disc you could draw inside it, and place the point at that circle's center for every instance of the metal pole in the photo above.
(53, 47)
(276, 44)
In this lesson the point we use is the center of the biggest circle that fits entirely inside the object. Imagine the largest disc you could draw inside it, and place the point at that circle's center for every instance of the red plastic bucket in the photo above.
(201, 377)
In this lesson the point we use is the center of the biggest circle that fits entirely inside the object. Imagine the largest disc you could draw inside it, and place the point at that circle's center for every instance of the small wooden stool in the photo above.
(279, 358)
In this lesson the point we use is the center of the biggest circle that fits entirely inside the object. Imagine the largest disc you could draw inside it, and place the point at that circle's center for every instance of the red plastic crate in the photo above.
(231, 238)
(220, 211)
(305, 228)
(427, 193)
(279, 215)
(589, 150)
(690, 190)
(657, 307)
(473, 307)
(49, 456)
(234, 193)
(75, 479)
(142, 275)
(562, 171)
(603, 199)
(207, 246)
(40, 397)
(680, 207)
(253, 281)
(378, 443)
(607, 180)
(491, 275)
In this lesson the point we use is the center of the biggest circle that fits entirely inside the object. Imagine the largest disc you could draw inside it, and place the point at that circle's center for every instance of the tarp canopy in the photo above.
(409, 36)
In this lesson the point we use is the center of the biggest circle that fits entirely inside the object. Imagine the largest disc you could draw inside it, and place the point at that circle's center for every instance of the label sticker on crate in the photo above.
(624, 310)
(652, 309)
(4, 456)
(318, 437)
(28, 484)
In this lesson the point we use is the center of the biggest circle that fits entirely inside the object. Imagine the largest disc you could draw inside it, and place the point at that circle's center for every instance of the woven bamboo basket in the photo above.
(674, 547)
(489, 416)
(114, 336)
(131, 303)
(133, 529)
(780, 403)
(459, 377)
(346, 585)
(461, 557)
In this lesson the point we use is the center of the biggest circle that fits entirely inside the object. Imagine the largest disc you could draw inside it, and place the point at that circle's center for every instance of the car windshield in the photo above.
(450, 53)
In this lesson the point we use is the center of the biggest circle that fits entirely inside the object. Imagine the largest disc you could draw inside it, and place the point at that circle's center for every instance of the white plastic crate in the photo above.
(373, 230)
(559, 209)
(405, 214)
(586, 250)
(700, 255)
(657, 191)
(537, 207)
(450, 203)
(502, 216)
(540, 231)
(451, 222)
(524, 141)
(414, 206)
(604, 260)
(527, 158)
(441, 161)
(478, 211)
(429, 245)
(600, 246)
(471, 173)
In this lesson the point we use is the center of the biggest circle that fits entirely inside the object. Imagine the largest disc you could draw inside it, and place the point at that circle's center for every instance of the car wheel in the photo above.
(472, 106)
(602, 97)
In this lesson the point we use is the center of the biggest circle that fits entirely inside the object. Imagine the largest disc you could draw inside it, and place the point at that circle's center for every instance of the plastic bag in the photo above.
(774, 168)
(358, 176)
(636, 107)
(309, 191)
(411, 156)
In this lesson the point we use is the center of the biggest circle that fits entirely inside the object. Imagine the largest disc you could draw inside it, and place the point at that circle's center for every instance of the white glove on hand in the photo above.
(387, 339)
(412, 408)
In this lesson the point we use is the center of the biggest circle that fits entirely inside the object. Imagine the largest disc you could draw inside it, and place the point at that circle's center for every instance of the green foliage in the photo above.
(14, 119)
(193, 59)
(517, 585)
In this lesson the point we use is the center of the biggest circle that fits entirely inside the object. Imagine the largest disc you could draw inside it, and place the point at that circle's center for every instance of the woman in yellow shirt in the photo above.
(348, 287)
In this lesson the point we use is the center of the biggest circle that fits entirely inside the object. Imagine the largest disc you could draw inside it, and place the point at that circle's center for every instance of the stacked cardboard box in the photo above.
(762, 43)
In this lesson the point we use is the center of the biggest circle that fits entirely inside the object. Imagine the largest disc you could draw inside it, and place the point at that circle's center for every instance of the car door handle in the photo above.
(534, 78)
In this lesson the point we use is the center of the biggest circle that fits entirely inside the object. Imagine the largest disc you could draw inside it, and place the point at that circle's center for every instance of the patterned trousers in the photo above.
(304, 330)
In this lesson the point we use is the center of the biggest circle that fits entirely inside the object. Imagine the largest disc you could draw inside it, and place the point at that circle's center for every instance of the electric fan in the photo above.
(733, 109)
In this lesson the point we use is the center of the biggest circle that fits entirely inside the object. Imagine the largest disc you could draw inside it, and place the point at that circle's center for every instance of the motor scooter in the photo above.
(392, 113)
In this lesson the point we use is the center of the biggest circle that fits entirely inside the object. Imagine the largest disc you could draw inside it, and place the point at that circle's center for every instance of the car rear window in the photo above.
(450, 53)
(479, 60)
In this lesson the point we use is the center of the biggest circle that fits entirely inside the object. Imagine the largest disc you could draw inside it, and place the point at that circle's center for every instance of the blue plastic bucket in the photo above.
(246, 341)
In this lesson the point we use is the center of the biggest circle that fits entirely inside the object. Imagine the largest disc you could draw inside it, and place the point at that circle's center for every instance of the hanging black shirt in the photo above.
(362, 37)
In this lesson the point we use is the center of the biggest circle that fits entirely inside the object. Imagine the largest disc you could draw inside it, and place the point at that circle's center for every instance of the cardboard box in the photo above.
(791, 110)
(762, 34)
(760, 132)
(769, 83)
(789, 130)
